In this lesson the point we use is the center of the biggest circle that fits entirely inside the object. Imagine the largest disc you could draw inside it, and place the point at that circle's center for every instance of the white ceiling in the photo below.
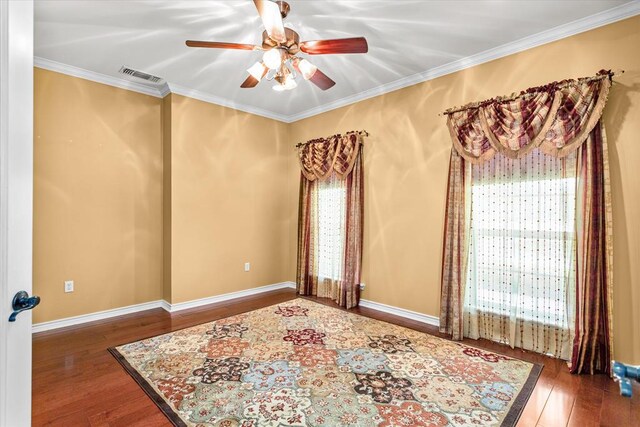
(408, 40)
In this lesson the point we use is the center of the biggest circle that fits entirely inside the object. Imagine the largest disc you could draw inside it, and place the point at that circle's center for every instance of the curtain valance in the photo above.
(557, 118)
(319, 157)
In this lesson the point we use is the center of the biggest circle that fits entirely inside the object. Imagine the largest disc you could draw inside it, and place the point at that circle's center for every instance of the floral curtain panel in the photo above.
(592, 346)
(330, 223)
(454, 262)
(561, 120)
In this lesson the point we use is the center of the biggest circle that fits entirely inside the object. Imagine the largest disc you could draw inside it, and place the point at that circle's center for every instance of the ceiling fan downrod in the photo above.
(284, 8)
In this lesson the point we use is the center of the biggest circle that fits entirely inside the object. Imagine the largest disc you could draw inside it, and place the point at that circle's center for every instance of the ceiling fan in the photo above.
(281, 45)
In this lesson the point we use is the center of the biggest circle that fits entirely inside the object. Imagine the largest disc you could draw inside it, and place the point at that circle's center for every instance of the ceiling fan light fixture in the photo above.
(288, 83)
(307, 69)
(257, 70)
(280, 46)
(273, 58)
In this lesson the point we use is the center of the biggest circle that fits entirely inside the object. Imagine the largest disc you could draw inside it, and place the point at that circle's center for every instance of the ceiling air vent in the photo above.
(140, 75)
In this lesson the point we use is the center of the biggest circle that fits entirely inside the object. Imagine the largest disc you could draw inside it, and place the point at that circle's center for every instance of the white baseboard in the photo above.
(92, 317)
(172, 308)
(165, 305)
(401, 312)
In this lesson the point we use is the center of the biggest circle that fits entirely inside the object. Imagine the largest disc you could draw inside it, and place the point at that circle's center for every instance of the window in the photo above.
(521, 270)
(331, 221)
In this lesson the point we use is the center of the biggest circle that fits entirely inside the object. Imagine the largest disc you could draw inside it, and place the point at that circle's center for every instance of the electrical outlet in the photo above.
(68, 286)
(362, 285)
(247, 266)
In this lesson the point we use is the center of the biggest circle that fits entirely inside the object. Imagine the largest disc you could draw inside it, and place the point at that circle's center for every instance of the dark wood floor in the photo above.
(76, 382)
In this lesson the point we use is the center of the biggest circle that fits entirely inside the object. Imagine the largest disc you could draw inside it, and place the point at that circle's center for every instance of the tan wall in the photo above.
(97, 196)
(228, 193)
(406, 161)
(107, 216)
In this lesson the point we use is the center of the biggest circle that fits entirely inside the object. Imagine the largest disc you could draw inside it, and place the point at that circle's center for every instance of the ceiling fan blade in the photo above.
(321, 80)
(322, 47)
(249, 82)
(221, 45)
(252, 81)
(272, 19)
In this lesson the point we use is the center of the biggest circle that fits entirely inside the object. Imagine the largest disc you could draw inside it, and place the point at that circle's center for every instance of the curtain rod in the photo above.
(316, 140)
(472, 105)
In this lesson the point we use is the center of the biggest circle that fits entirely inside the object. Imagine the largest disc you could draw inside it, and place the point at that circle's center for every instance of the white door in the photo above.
(16, 195)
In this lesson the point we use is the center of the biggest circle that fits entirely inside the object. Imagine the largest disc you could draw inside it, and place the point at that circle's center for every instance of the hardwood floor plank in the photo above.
(635, 405)
(537, 401)
(586, 409)
(134, 412)
(560, 403)
(76, 419)
(615, 409)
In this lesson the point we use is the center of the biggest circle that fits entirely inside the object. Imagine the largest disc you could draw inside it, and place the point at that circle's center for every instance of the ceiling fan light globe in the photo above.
(278, 87)
(290, 83)
(272, 58)
(307, 69)
(257, 70)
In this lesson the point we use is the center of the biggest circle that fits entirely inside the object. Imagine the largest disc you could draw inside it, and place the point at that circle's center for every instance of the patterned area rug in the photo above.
(302, 363)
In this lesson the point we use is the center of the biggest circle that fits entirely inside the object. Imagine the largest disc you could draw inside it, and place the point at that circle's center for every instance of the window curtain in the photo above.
(592, 347)
(561, 120)
(454, 261)
(330, 218)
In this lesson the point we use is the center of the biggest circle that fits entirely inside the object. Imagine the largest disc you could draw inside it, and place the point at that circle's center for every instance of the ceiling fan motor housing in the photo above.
(292, 45)
(293, 39)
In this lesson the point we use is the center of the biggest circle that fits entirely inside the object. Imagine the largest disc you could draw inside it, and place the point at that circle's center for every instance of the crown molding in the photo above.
(600, 19)
(591, 22)
(213, 99)
(93, 76)
(159, 91)
(164, 90)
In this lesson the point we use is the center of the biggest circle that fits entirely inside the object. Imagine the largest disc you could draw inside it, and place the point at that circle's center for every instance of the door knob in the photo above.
(21, 302)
